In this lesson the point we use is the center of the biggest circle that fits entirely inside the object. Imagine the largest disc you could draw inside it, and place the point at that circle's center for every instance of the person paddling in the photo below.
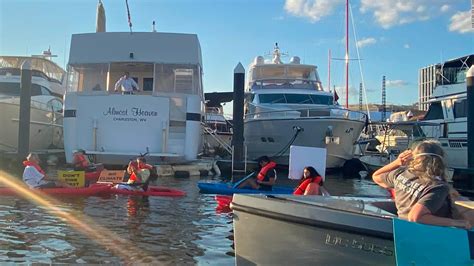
(310, 183)
(139, 172)
(82, 163)
(35, 177)
(266, 176)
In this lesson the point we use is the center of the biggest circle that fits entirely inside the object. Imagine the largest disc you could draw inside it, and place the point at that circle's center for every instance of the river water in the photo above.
(185, 230)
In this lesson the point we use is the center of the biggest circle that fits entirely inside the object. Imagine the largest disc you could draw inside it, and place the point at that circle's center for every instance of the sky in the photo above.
(395, 38)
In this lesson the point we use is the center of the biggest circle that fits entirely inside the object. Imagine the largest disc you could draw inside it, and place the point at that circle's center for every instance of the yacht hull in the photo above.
(45, 127)
(270, 136)
(284, 232)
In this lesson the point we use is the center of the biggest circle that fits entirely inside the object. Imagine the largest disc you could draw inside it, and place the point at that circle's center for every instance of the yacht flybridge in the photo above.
(285, 104)
(162, 119)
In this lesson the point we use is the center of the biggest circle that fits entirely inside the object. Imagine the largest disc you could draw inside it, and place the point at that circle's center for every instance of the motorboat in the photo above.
(163, 119)
(448, 107)
(47, 89)
(392, 139)
(313, 230)
(285, 104)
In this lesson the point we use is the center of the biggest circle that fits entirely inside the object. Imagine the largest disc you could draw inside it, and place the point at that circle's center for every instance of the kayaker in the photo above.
(34, 176)
(139, 172)
(421, 192)
(310, 183)
(266, 176)
(82, 163)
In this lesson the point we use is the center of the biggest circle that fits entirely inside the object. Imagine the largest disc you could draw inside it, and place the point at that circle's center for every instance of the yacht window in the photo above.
(10, 88)
(322, 99)
(298, 98)
(147, 84)
(36, 90)
(435, 111)
(45, 91)
(460, 109)
(272, 98)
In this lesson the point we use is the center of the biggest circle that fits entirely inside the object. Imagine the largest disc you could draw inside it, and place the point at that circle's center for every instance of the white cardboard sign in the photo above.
(301, 156)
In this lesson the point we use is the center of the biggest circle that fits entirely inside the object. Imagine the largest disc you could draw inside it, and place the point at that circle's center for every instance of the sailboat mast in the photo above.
(347, 53)
(329, 70)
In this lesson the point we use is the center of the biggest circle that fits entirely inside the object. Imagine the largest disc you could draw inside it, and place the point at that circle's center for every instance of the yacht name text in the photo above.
(134, 111)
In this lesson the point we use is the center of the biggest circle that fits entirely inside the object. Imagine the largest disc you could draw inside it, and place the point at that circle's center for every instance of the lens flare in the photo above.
(122, 248)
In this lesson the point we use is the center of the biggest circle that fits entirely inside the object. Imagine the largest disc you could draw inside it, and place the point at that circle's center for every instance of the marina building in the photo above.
(446, 73)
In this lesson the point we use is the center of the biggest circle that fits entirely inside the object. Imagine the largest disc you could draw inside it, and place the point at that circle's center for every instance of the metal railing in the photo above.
(214, 135)
(313, 112)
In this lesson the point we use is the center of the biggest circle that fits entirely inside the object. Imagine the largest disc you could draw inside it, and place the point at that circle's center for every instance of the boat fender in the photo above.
(216, 169)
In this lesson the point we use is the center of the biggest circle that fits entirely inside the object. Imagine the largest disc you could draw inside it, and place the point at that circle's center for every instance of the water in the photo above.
(185, 230)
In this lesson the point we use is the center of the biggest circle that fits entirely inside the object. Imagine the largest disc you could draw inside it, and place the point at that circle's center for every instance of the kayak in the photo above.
(227, 189)
(84, 191)
(151, 191)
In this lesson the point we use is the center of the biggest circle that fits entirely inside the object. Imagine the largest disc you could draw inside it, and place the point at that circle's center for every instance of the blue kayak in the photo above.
(227, 189)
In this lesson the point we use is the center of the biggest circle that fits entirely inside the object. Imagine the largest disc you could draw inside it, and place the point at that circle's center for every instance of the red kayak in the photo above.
(85, 191)
(151, 191)
(223, 203)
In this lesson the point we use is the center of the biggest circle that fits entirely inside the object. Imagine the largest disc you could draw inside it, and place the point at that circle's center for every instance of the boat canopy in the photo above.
(49, 69)
(159, 62)
(151, 47)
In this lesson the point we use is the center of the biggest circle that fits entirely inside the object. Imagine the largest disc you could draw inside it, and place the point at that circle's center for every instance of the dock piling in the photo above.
(25, 105)
(238, 117)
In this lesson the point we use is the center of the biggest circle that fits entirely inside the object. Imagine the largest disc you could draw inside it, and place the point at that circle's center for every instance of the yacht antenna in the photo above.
(129, 18)
(154, 29)
(276, 54)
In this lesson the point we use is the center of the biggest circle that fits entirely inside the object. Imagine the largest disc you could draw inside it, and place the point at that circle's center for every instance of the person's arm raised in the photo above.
(402, 160)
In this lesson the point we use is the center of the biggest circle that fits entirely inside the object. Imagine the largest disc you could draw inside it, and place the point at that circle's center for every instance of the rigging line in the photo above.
(360, 64)
(129, 18)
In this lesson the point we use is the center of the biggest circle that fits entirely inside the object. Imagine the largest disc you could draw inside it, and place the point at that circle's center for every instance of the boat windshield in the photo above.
(13, 89)
(293, 98)
(48, 69)
(166, 78)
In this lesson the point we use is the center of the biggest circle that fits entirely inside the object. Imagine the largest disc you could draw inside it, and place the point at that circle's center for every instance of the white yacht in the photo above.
(285, 105)
(163, 119)
(48, 87)
(448, 107)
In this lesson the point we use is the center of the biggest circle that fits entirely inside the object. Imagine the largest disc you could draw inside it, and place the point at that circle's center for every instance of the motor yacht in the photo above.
(162, 119)
(285, 104)
(47, 89)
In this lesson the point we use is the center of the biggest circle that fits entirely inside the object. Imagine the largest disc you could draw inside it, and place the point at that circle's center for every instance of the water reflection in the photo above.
(184, 230)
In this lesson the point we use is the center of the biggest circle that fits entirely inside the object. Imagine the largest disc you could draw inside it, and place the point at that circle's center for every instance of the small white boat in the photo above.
(46, 103)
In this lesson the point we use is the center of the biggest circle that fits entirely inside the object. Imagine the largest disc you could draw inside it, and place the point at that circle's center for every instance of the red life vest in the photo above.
(35, 165)
(263, 172)
(137, 167)
(302, 187)
(80, 161)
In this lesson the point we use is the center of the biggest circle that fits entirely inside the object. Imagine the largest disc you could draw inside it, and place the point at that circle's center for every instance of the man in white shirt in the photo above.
(126, 84)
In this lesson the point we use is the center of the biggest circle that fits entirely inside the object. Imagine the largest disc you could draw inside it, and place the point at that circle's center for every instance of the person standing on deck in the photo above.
(126, 84)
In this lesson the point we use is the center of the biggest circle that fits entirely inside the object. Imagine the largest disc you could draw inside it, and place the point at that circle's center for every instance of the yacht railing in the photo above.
(214, 135)
(312, 112)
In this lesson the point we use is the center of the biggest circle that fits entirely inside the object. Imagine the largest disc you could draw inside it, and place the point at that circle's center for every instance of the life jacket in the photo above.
(134, 165)
(80, 161)
(302, 187)
(263, 172)
(35, 165)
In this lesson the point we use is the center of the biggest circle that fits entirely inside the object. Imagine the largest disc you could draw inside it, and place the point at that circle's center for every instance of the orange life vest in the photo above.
(137, 167)
(80, 161)
(28, 163)
(263, 172)
(302, 187)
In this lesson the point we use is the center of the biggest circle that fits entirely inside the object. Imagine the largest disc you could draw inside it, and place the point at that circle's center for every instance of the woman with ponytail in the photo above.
(421, 191)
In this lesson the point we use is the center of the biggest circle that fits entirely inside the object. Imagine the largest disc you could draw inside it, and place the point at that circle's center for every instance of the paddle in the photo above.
(243, 180)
